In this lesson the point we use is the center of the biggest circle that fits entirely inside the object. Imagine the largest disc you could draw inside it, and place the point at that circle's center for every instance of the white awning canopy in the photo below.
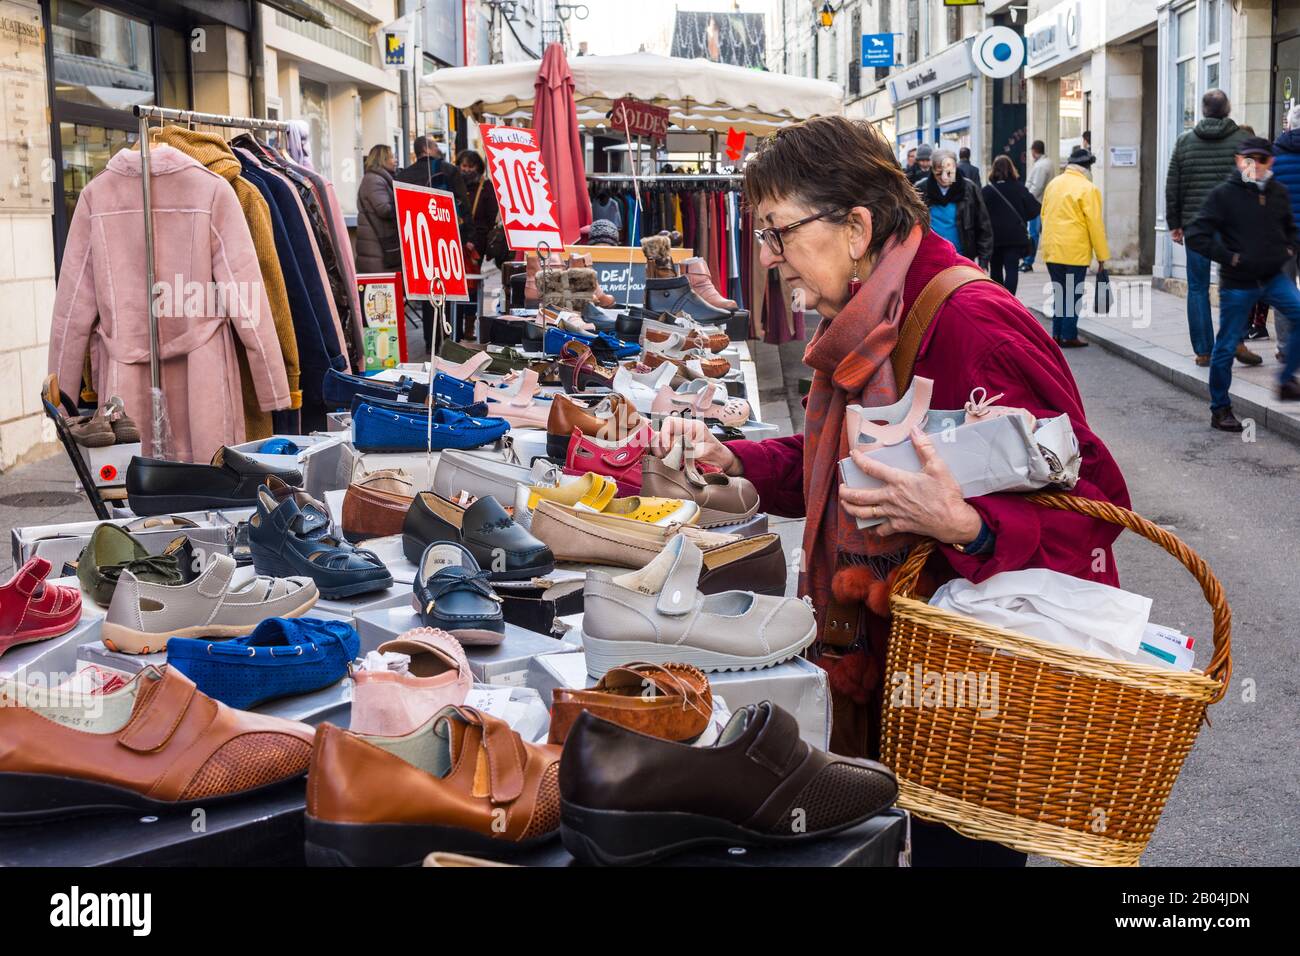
(698, 94)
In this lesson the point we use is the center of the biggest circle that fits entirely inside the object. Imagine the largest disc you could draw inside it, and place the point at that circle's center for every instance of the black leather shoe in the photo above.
(504, 549)
(155, 486)
(628, 798)
(627, 325)
(1224, 420)
(596, 316)
(1289, 391)
(676, 295)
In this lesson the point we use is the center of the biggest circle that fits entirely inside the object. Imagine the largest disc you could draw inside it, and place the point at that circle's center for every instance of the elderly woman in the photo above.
(855, 240)
(957, 210)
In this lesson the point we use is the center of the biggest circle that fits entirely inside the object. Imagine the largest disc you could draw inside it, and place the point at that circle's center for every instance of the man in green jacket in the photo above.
(1202, 157)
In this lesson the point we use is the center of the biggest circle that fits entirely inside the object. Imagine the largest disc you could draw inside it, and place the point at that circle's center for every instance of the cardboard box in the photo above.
(107, 466)
(395, 595)
(62, 543)
(535, 605)
(294, 461)
(506, 663)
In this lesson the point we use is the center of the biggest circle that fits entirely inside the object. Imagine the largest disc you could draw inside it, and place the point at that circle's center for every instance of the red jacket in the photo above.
(983, 336)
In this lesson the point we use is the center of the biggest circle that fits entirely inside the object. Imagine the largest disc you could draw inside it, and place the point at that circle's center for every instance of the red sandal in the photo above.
(31, 610)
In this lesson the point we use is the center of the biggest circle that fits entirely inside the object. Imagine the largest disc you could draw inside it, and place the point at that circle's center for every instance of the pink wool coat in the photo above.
(200, 236)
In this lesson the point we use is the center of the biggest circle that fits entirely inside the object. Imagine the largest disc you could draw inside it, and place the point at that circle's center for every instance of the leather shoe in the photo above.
(464, 782)
(453, 594)
(1246, 357)
(1202, 361)
(669, 701)
(751, 564)
(376, 506)
(1289, 391)
(156, 486)
(628, 798)
(498, 543)
(1224, 420)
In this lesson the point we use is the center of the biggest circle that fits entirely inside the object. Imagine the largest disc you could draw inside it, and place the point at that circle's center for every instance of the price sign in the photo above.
(523, 192)
(430, 242)
(639, 119)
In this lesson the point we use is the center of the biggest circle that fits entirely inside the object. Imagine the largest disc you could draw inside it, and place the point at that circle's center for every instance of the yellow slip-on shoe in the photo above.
(596, 493)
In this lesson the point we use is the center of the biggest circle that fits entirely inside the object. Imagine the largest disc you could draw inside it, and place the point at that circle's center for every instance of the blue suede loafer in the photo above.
(384, 430)
(283, 657)
(453, 593)
(477, 410)
(604, 346)
(278, 538)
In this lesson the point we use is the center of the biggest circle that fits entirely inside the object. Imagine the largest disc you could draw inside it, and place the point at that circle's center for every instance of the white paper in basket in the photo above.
(1056, 607)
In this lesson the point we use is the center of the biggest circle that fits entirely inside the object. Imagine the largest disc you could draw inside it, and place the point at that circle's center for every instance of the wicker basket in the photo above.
(1081, 753)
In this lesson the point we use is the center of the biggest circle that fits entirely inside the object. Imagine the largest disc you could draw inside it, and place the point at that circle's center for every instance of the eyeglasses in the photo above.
(771, 236)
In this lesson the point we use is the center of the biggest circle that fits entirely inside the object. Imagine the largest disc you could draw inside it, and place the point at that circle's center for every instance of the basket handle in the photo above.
(1220, 668)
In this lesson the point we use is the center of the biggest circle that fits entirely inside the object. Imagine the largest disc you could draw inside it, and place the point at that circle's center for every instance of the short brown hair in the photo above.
(1004, 170)
(832, 163)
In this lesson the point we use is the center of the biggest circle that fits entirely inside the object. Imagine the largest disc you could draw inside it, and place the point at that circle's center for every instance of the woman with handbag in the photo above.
(1011, 207)
(895, 299)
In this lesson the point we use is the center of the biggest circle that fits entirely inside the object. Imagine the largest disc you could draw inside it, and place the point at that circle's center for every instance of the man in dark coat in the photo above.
(1201, 158)
(1286, 170)
(1247, 226)
(966, 167)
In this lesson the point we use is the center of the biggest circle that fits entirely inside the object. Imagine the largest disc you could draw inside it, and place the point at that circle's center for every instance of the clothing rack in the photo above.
(145, 114)
(666, 177)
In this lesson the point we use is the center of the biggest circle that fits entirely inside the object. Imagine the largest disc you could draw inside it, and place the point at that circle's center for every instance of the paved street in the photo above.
(1231, 500)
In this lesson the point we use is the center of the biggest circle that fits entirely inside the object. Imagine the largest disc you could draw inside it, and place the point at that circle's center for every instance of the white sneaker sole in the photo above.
(604, 655)
(126, 640)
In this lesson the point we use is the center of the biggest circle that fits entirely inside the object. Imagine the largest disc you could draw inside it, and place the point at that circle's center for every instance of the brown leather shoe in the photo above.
(1203, 360)
(1246, 357)
(464, 782)
(609, 540)
(156, 744)
(714, 366)
(376, 506)
(568, 414)
(751, 564)
(628, 798)
(723, 500)
(668, 701)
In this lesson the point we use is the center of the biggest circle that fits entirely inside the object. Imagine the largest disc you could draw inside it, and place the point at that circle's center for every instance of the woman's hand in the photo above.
(704, 446)
(928, 502)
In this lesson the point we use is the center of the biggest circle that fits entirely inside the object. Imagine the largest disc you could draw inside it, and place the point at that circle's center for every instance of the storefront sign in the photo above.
(384, 315)
(1053, 35)
(951, 66)
(998, 52)
(1123, 155)
(24, 127)
(877, 49)
(523, 192)
(637, 118)
(396, 44)
(430, 242)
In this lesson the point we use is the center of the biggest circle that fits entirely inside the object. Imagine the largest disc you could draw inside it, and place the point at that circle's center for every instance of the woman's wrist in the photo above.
(735, 467)
(967, 527)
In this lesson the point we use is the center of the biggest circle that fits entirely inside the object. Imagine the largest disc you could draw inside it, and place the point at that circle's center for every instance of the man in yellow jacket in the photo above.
(1072, 232)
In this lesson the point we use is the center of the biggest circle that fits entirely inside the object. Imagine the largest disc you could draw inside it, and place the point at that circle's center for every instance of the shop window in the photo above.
(1071, 114)
(1185, 108)
(908, 116)
(1211, 23)
(913, 31)
(855, 59)
(954, 102)
(101, 58)
(173, 69)
(86, 151)
(886, 26)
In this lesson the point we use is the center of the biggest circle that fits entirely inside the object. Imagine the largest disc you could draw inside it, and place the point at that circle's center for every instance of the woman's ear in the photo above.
(860, 231)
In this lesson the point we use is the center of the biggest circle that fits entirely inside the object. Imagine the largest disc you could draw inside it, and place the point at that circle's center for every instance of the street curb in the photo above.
(1248, 400)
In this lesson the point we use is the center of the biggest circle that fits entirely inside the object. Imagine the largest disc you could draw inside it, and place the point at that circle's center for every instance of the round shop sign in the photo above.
(998, 52)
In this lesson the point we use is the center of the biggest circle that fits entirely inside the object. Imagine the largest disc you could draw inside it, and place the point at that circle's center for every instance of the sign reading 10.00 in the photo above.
(430, 243)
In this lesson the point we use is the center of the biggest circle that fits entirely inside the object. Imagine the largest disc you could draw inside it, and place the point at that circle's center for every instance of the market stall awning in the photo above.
(698, 94)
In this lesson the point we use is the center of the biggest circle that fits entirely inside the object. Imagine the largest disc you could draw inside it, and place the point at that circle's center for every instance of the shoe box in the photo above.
(748, 528)
(504, 664)
(62, 543)
(538, 605)
(107, 466)
(56, 658)
(797, 685)
(304, 443)
(398, 593)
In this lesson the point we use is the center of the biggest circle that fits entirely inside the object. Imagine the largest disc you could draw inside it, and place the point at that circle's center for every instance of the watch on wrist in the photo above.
(983, 543)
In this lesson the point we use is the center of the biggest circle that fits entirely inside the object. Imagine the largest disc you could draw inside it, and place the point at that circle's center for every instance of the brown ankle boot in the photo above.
(658, 257)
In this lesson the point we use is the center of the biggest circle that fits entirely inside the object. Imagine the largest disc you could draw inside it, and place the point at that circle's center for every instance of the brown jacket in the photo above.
(211, 150)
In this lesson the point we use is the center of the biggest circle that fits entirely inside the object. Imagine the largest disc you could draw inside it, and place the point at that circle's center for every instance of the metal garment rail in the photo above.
(665, 177)
(158, 447)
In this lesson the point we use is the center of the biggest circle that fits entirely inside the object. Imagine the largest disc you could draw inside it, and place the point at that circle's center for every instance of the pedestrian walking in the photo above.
(1286, 170)
(910, 166)
(921, 168)
(377, 243)
(1202, 157)
(1073, 231)
(1247, 226)
(957, 210)
(1011, 208)
(1040, 171)
(968, 169)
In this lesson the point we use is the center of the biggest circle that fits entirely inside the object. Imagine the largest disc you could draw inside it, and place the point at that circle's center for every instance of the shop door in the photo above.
(1288, 80)
(1009, 120)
